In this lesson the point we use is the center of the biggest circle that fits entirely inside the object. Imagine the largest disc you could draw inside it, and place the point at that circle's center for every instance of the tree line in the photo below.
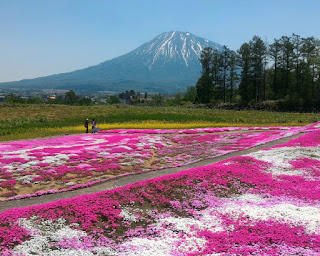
(285, 72)
(69, 98)
(128, 97)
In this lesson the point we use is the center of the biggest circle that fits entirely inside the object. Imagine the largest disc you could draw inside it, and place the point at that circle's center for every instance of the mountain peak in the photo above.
(173, 46)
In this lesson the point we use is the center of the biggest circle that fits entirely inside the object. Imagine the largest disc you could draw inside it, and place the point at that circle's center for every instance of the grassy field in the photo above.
(29, 121)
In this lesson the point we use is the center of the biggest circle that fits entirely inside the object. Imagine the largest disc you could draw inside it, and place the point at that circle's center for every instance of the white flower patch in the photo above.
(43, 233)
(250, 198)
(192, 245)
(174, 231)
(307, 216)
(127, 215)
(154, 139)
(125, 147)
(141, 145)
(269, 200)
(58, 159)
(280, 157)
(161, 246)
(93, 148)
(147, 246)
(68, 252)
(127, 164)
(26, 178)
(208, 221)
(34, 246)
(55, 230)
(8, 167)
(9, 155)
(29, 164)
(105, 251)
(46, 232)
(23, 153)
(105, 153)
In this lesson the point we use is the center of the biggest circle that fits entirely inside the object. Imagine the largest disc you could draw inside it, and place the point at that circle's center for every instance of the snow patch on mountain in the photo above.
(174, 46)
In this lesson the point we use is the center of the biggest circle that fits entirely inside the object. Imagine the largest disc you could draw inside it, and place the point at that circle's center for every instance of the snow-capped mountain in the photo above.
(173, 47)
(167, 63)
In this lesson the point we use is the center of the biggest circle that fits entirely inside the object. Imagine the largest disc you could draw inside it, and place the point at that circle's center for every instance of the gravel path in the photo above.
(122, 181)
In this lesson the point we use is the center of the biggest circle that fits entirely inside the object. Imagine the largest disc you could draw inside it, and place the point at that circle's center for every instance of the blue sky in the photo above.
(44, 37)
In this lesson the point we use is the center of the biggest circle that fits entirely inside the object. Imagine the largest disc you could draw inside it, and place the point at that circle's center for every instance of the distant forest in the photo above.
(282, 76)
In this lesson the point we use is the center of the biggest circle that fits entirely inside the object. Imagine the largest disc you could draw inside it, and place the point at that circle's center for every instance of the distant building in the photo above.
(2, 98)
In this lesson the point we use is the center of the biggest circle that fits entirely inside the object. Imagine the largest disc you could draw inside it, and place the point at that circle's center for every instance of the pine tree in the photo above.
(296, 60)
(258, 53)
(286, 85)
(225, 63)
(217, 75)
(233, 75)
(204, 85)
(245, 65)
(308, 52)
(274, 53)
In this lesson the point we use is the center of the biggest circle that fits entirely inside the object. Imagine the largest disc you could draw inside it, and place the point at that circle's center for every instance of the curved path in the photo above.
(122, 181)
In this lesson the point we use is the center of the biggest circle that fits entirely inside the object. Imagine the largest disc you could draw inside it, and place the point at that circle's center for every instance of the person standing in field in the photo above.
(93, 125)
(86, 125)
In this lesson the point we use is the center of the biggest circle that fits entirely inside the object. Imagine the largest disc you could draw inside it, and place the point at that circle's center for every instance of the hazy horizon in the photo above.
(41, 38)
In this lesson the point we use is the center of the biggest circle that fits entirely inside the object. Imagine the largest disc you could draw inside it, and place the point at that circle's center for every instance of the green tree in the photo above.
(225, 55)
(113, 100)
(297, 42)
(233, 75)
(191, 94)
(157, 100)
(245, 62)
(217, 76)
(204, 84)
(258, 53)
(71, 98)
(274, 54)
(308, 70)
(14, 99)
(36, 100)
(84, 101)
(295, 71)
(286, 57)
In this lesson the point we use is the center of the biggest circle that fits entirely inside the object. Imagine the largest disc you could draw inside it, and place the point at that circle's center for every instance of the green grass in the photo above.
(28, 119)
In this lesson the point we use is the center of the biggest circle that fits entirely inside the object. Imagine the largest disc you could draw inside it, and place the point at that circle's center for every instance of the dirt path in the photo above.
(122, 181)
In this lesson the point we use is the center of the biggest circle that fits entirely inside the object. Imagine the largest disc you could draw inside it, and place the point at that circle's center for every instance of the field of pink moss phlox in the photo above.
(263, 203)
(36, 167)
